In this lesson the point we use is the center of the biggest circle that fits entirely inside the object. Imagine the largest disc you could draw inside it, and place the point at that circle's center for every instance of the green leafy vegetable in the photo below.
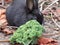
(27, 33)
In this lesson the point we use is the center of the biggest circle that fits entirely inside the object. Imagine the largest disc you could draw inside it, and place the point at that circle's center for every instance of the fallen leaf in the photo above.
(8, 31)
(3, 11)
(3, 17)
(46, 41)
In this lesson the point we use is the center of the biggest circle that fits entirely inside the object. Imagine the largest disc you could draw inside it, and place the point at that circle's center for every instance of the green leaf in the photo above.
(27, 33)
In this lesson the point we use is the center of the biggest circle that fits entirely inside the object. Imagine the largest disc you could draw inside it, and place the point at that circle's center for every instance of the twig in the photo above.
(40, 1)
(44, 34)
(4, 40)
(2, 6)
(55, 21)
(50, 5)
(41, 8)
(50, 34)
(3, 2)
(12, 27)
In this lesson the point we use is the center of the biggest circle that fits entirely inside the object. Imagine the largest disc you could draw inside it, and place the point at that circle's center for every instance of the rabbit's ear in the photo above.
(30, 4)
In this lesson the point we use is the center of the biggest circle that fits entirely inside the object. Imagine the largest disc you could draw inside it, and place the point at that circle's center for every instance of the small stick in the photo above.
(55, 21)
(44, 34)
(12, 27)
(3, 7)
(50, 5)
(4, 40)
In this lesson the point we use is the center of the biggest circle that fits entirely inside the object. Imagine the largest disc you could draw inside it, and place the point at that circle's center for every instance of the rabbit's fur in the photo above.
(21, 11)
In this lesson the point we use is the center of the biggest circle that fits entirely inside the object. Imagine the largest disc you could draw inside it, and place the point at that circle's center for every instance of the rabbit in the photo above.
(21, 11)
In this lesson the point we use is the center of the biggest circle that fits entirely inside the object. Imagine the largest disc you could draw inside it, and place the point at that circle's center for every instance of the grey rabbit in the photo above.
(21, 11)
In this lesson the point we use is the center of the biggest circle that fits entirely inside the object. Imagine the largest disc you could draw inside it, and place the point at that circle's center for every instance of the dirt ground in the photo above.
(51, 31)
(50, 28)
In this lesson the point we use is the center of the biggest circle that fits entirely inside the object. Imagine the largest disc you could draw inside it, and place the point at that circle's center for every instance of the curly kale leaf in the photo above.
(27, 33)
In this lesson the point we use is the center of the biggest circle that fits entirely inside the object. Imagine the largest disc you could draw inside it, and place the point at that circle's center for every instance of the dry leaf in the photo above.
(3, 21)
(46, 41)
(3, 11)
(8, 31)
(3, 17)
